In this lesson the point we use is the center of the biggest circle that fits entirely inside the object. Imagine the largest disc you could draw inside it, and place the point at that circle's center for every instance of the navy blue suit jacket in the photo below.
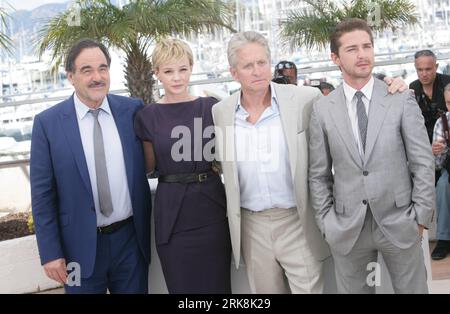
(63, 206)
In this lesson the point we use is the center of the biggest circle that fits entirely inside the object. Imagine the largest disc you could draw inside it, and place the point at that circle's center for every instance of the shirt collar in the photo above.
(274, 102)
(82, 110)
(366, 90)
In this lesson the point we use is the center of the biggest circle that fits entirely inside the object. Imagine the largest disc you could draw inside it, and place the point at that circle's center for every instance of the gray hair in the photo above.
(447, 88)
(241, 39)
(425, 53)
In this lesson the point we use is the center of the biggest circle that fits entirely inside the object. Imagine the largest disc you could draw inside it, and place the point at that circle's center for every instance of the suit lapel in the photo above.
(123, 118)
(228, 129)
(289, 118)
(72, 133)
(339, 114)
(377, 114)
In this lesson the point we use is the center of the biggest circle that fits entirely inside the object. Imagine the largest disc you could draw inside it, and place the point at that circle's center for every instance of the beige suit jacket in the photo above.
(295, 105)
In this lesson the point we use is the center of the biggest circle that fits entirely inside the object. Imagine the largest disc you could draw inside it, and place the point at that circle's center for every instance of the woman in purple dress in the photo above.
(192, 235)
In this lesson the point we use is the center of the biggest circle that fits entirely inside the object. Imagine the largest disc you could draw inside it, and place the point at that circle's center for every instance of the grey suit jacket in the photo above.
(395, 176)
(295, 105)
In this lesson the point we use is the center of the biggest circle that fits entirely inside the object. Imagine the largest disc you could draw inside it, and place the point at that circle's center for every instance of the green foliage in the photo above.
(5, 42)
(133, 28)
(30, 224)
(312, 27)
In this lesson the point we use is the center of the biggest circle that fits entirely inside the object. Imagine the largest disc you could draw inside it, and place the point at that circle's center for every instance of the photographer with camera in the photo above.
(285, 73)
(440, 147)
(429, 88)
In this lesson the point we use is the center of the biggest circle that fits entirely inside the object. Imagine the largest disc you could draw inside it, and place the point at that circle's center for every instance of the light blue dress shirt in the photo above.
(265, 179)
(115, 163)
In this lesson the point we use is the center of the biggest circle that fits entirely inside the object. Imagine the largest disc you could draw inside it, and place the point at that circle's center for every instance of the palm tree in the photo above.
(5, 42)
(312, 27)
(132, 29)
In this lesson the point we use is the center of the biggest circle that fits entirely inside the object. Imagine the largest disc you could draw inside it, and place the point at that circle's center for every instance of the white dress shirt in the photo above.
(115, 163)
(351, 101)
(265, 179)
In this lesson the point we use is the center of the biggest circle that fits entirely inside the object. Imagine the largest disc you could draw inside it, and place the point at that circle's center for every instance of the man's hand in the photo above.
(395, 84)
(421, 227)
(57, 270)
(438, 148)
(216, 167)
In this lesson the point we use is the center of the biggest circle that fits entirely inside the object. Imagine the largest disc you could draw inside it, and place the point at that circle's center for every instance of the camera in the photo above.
(281, 79)
(285, 72)
(314, 82)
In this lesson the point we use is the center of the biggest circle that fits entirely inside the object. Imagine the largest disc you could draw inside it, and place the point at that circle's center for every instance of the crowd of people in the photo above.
(308, 173)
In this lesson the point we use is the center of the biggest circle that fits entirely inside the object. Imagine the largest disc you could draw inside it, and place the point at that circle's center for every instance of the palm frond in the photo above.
(5, 42)
(132, 29)
(163, 18)
(305, 29)
(312, 27)
(96, 22)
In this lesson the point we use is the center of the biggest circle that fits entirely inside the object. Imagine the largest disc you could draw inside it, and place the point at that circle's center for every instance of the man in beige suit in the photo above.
(261, 140)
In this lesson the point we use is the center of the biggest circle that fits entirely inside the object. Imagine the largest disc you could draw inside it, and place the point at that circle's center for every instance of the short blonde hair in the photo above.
(169, 50)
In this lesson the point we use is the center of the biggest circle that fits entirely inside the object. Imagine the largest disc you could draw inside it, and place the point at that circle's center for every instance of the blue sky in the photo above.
(29, 4)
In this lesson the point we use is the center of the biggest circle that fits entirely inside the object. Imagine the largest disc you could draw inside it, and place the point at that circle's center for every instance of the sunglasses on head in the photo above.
(285, 65)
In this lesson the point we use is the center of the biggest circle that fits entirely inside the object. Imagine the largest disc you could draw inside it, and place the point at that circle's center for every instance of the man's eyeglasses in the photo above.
(285, 65)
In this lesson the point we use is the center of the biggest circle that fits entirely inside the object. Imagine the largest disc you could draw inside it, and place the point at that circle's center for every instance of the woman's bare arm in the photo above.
(149, 153)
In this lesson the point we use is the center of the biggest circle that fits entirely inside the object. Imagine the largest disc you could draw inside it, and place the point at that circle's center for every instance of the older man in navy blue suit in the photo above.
(90, 197)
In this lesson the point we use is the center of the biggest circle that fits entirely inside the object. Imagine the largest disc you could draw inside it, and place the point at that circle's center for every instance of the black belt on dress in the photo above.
(114, 226)
(186, 177)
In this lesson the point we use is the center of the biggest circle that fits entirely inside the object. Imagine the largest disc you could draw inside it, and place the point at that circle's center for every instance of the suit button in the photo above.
(365, 173)
(365, 202)
(238, 215)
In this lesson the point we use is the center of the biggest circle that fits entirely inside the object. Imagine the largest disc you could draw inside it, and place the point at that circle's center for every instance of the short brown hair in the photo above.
(346, 26)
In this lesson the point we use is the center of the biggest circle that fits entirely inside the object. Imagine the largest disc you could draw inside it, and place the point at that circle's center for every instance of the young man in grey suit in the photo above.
(381, 194)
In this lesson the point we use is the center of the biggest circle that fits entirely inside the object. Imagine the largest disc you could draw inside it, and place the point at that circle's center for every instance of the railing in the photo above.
(228, 79)
(308, 70)
(378, 63)
(220, 80)
(9, 163)
(117, 92)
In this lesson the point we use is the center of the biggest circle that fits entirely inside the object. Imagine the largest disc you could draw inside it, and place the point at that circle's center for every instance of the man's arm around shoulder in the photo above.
(420, 160)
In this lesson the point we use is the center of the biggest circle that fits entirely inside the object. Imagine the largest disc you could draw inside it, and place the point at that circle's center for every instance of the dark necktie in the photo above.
(104, 193)
(362, 118)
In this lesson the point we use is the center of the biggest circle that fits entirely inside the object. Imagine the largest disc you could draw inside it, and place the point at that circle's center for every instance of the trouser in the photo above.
(276, 254)
(355, 271)
(119, 267)
(443, 207)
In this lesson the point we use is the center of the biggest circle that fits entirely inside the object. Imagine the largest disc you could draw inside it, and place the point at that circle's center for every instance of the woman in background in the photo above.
(192, 235)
